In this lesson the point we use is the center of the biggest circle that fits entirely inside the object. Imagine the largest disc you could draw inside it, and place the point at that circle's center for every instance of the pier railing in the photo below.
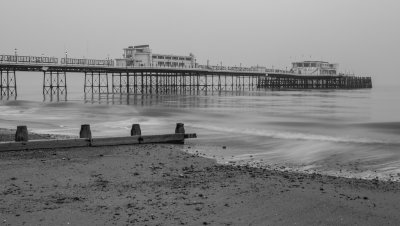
(83, 62)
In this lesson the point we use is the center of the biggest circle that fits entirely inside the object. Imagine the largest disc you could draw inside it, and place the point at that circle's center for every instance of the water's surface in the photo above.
(346, 132)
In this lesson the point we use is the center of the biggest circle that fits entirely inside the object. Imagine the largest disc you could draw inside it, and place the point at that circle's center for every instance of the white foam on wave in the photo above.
(117, 127)
(292, 135)
(122, 127)
(14, 112)
(127, 123)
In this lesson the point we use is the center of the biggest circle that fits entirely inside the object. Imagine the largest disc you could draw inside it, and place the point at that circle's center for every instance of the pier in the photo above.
(102, 77)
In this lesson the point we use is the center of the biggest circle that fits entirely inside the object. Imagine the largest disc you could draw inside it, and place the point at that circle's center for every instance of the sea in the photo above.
(350, 133)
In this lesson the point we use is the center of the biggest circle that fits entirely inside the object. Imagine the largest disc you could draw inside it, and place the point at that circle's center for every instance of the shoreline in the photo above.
(8, 135)
(164, 184)
(368, 176)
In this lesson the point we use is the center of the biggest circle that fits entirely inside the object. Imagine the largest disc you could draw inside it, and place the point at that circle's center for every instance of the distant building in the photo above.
(314, 68)
(142, 56)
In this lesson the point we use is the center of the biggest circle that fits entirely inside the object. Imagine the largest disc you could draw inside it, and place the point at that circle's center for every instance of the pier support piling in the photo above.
(8, 83)
(55, 85)
(165, 82)
(96, 82)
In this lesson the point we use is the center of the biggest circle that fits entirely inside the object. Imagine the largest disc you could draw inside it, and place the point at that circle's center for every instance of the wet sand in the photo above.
(166, 185)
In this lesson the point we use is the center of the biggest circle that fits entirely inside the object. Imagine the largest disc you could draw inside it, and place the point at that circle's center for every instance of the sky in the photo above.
(362, 36)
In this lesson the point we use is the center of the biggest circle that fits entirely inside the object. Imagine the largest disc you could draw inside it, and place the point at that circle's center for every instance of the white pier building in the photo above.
(314, 68)
(142, 56)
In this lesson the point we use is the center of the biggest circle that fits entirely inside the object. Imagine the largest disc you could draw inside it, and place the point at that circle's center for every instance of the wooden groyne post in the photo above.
(85, 131)
(136, 130)
(21, 134)
(86, 140)
(179, 128)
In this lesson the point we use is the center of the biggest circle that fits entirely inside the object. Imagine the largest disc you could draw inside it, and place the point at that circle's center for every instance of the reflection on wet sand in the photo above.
(176, 99)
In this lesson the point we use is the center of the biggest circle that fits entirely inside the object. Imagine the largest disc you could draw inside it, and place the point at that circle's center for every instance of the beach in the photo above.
(169, 184)
(200, 113)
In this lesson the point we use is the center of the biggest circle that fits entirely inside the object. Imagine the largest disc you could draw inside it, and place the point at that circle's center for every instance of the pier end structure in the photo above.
(313, 75)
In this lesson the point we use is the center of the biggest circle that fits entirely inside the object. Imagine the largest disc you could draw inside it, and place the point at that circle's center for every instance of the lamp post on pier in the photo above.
(66, 56)
(16, 57)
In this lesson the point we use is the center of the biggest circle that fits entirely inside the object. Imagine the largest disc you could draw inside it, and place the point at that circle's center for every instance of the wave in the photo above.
(128, 122)
(60, 104)
(293, 135)
(390, 126)
(16, 103)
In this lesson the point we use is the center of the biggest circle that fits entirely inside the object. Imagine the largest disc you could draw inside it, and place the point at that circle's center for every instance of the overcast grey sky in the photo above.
(361, 35)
